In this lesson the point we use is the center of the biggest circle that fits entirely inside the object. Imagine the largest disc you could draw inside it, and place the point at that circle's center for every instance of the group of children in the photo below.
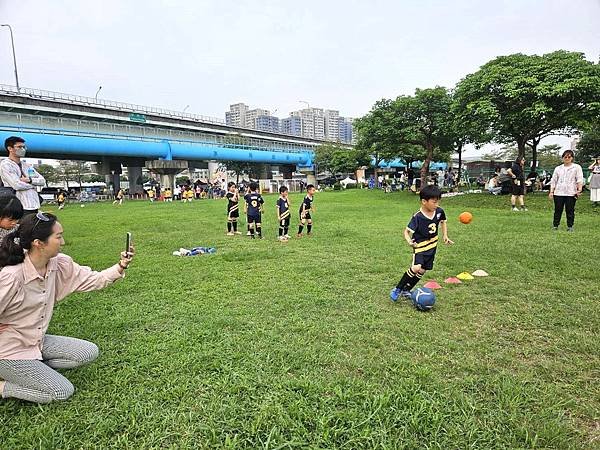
(253, 208)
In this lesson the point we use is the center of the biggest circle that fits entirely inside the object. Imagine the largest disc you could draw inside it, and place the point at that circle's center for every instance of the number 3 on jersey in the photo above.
(432, 228)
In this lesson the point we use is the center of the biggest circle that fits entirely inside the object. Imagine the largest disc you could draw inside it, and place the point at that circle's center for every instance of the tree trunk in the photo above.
(459, 150)
(521, 145)
(425, 166)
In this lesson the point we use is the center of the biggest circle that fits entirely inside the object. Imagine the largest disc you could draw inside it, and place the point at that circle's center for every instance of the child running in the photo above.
(233, 208)
(306, 208)
(283, 214)
(253, 208)
(60, 200)
(422, 235)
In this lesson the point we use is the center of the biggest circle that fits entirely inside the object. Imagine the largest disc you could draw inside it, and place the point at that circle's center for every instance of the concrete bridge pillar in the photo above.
(134, 174)
(213, 168)
(167, 170)
(265, 172)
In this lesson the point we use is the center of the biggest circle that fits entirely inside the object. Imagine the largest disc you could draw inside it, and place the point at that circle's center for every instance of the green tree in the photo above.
(374, 134)
(50, 174)
(549, 156)
(589, 145)
(336, 159)
(237, 167)
(424, 121)
(524, 98)
(70, 170)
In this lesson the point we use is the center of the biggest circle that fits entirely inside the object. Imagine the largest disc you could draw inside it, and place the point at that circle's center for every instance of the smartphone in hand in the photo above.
(128, 243)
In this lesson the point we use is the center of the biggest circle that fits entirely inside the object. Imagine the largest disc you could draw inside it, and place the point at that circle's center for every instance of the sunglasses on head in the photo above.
(41, 217)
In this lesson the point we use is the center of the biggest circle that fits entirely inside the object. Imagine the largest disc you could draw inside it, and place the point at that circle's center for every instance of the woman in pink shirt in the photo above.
(34, 276)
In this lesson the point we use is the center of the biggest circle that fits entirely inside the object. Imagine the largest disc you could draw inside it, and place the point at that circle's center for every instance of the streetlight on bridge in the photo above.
(186, 107)
(12, 41)
(97, 92)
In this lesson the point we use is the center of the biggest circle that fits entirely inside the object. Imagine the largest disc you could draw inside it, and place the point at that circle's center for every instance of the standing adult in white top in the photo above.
(595, 181)
(21, 176)
(565, 189)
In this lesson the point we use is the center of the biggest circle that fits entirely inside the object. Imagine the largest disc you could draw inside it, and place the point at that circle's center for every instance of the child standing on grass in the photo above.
(422, 235)
(119, 197)
(233, 208)
(305, 211)
(60, 200)
(283, 213)
(253, 208)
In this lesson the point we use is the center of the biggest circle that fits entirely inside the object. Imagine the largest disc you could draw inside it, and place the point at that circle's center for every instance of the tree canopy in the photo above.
(524, 98)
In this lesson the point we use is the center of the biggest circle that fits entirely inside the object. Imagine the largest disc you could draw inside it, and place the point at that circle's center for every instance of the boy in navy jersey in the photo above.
(422, 235)
(283, 213)
(306, 208)
(233, 208)
(253, 208)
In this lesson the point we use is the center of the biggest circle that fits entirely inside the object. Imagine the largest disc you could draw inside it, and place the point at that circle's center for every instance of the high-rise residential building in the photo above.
(332, 124)
(346, 133)
(291, 125)
(236, 116)
(252, 115)
(267, 123)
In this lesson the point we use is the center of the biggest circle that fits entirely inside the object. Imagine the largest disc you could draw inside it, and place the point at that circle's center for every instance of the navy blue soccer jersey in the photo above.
(306, 204)
(284, 208)
(254, 201)
(425, 230)
(231, 205)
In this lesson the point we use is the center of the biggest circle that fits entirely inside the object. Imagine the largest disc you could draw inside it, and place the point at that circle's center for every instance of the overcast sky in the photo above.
(337, 54)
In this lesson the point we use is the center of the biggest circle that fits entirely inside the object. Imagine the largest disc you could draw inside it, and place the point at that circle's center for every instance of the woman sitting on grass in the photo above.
(34, 276)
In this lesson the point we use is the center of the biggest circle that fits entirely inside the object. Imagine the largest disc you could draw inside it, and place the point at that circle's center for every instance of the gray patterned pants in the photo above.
(37, 381)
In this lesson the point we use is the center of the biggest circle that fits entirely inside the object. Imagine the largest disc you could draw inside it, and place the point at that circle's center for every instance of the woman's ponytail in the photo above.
(11, 251)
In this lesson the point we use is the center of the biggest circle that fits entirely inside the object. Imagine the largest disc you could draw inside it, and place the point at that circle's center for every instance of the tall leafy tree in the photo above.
(375, 134)
(524, 98)
(340, 160)
(424, 121)
(589, 145)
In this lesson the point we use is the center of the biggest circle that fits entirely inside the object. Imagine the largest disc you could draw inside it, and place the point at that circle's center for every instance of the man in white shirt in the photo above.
(21, 176)
(565, 189)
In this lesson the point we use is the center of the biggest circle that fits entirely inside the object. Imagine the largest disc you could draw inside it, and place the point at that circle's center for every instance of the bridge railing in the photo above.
(92, 101)
(81, 127)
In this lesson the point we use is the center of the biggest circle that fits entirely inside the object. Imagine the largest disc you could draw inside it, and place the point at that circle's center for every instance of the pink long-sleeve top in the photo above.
(27, 300)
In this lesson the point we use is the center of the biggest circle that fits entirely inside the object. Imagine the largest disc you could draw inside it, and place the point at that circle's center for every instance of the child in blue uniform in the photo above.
(422, 235)
(253, 208)
(283, 213)
(306, 208)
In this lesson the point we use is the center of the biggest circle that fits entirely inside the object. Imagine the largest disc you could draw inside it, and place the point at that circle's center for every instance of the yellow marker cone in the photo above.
(464, 276)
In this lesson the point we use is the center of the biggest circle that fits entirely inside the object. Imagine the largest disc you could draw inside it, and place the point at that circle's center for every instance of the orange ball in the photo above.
(465, 217)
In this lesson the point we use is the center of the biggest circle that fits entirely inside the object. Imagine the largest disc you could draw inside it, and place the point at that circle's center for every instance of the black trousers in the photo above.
(567, 203)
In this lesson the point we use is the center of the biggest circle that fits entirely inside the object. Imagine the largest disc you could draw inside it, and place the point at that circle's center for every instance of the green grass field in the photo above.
(297, 345)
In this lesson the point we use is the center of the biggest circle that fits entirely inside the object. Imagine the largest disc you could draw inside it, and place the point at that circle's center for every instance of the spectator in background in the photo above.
(518, 183)
(494, 186)
(595, 182)
(21, 176)
(565, 189)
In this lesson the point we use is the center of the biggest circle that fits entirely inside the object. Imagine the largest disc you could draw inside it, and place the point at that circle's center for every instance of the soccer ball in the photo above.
(423, 299)
(465, 217)
(83, 206)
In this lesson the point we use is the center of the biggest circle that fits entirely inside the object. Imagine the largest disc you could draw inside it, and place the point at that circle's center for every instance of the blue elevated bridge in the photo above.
(114, 134)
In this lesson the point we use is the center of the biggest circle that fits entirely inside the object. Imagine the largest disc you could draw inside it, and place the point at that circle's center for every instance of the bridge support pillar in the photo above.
(168, 170)
(134, 174)
(213, 168)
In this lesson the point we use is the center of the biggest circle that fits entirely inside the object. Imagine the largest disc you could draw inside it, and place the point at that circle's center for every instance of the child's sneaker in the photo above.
(287, 236)
(230, 233)
(515, 208)
(237, 232)
(396, 293)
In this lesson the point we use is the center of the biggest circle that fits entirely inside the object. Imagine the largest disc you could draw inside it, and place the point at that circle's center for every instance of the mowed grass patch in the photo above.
(296, 345)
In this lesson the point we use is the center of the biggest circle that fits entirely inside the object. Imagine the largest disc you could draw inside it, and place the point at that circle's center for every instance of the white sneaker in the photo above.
(287, 236)
(230, 233)
(515, 209)
(237, 232)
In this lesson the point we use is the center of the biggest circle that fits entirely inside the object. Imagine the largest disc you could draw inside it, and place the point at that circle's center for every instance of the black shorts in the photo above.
(306, 216)
(233, 214)
(517, 187)
(285, 222)
(254, 219)
(426, 261)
